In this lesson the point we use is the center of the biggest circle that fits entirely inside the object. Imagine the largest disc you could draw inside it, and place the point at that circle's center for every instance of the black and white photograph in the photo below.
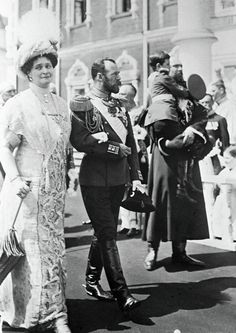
(118, 166)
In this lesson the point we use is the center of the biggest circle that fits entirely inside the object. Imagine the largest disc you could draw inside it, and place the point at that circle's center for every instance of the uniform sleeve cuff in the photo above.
(195, 131)
(162, 147)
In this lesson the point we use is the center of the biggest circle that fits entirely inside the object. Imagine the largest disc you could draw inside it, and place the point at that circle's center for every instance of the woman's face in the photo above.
(42, 72)
(230, 161)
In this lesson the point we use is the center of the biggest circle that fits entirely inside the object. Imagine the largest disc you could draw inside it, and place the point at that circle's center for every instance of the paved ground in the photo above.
(191, 301)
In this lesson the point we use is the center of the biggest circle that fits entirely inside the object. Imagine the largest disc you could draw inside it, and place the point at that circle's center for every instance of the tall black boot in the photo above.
(115, 277)
(93, 273)
(179, 255)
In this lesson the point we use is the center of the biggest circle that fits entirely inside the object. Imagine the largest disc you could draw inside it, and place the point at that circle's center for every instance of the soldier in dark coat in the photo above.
(176, 219)
(101, 128)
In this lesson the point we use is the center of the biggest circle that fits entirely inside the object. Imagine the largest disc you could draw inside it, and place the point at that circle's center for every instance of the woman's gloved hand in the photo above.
(21, 186)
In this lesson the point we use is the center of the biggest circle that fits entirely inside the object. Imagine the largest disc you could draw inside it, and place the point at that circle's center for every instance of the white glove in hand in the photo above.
(100, 136)
(188, 136)
(137, 185)
(21, 187)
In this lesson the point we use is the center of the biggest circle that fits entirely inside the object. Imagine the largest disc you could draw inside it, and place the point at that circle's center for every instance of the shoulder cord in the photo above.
(93, 120)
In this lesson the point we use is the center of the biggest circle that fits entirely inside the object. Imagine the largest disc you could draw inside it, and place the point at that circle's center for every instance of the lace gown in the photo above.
(33, 294)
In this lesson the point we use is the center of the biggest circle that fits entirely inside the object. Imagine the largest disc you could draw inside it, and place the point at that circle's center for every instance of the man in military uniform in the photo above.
(177, 218)
(101, 128)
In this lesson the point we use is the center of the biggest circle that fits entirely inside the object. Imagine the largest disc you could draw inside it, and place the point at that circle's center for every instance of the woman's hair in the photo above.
(26, 68)
(231, 150)
(158, 58)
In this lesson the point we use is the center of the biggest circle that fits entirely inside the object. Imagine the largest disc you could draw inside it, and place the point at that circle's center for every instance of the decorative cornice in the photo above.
(133, 39)
(159, 33)
(102, 44)
(185, 35)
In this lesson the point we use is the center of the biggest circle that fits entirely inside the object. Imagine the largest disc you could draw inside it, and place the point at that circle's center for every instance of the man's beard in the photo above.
(113, 88)
(178, 77)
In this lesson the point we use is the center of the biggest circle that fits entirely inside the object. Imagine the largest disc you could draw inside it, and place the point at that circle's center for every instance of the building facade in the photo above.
(129, 31)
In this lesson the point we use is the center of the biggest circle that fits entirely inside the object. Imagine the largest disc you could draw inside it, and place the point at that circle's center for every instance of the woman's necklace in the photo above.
(47, 104)
(44, 101)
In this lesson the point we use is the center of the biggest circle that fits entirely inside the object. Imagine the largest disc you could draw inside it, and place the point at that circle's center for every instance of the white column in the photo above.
(134, 8)
(195, 38)
(145, 49)
(88, 14)
(35, 4)
(51, 5)
(69, 15)
(58, 67)
(11, 40)
(109, 11)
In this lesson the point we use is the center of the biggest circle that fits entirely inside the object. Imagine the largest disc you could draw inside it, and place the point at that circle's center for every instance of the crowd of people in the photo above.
(156, 150)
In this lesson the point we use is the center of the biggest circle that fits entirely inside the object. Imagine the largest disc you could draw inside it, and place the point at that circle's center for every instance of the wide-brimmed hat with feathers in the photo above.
(39, 34)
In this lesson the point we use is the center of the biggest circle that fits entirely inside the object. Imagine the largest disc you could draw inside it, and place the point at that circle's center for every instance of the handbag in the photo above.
(12, 251)
(138, 202)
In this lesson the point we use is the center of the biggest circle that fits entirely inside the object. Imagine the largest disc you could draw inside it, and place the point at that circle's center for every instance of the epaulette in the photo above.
(81, 104)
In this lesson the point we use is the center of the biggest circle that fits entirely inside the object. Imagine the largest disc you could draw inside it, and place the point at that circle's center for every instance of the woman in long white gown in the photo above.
(223, 221)
(34, 133)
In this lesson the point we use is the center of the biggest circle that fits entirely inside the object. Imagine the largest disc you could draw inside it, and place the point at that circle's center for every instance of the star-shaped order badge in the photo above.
(115, 109)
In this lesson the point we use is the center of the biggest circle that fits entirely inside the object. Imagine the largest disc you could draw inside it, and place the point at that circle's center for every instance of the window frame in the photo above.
(113, 15)
(70, 16)
(74, 14)
(220, 11)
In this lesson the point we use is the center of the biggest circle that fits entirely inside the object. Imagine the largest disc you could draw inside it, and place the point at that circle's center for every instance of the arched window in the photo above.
(129, 73)
(77, 79)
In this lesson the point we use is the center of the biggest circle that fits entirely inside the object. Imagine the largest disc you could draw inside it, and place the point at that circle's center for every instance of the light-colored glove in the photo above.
(100, 136)
(124, 150)
(188, 136)
(137, 185)
(73, 174)
(215, 151)
(21, 187)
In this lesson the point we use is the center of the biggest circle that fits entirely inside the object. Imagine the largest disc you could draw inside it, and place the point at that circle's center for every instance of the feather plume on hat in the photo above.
(39, 34)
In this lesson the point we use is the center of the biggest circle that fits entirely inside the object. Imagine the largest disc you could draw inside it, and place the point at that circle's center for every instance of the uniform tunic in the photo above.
(104, 170)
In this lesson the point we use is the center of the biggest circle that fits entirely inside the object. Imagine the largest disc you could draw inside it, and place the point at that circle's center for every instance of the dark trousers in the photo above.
(102, 205)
